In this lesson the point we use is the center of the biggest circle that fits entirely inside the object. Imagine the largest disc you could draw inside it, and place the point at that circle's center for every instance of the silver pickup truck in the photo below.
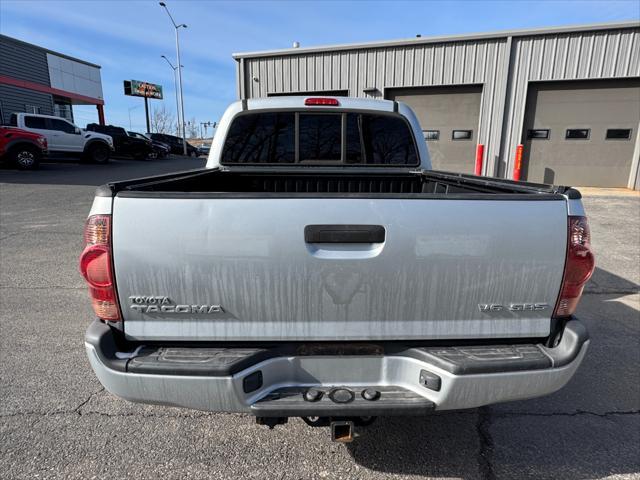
(318, 268)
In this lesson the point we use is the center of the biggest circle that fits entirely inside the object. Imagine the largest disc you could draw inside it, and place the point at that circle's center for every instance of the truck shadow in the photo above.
(439, 445)
(604, 282)
(589, 429)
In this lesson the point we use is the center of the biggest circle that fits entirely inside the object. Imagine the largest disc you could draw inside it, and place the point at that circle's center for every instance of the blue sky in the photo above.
(127, 38)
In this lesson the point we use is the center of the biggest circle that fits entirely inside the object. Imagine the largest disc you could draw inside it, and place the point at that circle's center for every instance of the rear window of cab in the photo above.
(319, 138)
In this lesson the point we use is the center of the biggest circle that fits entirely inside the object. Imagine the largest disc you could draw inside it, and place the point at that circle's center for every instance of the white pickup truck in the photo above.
(64, 138)
(317, 267)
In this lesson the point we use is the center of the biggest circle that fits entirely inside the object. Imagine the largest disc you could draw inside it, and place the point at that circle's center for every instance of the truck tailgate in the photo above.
(223, 269)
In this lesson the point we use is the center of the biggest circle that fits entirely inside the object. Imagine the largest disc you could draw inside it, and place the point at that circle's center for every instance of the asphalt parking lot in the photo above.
(57, 421)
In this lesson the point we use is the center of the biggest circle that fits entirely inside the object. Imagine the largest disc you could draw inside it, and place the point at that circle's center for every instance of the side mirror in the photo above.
(77, 131)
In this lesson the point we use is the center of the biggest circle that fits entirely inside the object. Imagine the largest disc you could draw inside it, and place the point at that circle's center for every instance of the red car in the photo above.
(21, 148)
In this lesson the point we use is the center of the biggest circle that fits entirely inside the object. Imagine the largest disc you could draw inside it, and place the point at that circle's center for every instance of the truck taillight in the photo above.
(578, 266)
(97, 268)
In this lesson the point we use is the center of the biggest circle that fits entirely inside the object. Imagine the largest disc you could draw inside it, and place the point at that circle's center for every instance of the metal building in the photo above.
(570, 96)
(36, 80)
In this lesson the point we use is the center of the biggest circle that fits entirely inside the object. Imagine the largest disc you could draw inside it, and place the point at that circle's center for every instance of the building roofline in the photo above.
(68, 57)
(442, 39)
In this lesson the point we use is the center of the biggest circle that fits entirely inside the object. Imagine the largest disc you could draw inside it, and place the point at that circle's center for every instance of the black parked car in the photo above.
(175, 143)
(160, 149)
(124, 144)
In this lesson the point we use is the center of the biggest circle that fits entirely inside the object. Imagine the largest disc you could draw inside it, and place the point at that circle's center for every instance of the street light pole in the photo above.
(175, 86)
(184, 134)
(177, 27)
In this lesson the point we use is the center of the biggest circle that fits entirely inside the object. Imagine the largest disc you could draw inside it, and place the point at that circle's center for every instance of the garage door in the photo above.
(449, 118)
(581, 133)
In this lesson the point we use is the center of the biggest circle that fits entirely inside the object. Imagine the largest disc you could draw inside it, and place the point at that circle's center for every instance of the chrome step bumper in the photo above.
(247, 379)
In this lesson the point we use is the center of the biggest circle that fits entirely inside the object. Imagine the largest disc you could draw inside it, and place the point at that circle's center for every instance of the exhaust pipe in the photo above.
(342, 431)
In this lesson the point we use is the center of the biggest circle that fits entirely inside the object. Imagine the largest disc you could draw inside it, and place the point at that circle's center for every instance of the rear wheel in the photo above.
(98, 153)
(25, 157)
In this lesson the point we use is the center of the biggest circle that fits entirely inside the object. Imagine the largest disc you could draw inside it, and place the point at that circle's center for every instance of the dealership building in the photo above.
(37, 80)
(570, 97)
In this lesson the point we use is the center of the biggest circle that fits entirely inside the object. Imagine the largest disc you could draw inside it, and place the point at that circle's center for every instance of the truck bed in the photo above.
(422, 184)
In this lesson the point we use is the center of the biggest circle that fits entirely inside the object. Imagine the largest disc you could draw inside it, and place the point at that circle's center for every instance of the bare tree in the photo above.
(162, 121)
(192, 128)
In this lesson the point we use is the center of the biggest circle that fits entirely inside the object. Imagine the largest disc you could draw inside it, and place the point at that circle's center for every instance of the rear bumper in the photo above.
(411, 381)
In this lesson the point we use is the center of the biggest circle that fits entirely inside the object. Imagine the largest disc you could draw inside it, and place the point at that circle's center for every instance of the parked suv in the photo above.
(125, 144)
(64, 138)
(175, 143)
(21, 148)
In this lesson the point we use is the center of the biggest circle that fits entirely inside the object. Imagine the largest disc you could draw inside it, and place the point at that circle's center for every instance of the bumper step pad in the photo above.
(195, 361)
(485, 359)
(341, 402)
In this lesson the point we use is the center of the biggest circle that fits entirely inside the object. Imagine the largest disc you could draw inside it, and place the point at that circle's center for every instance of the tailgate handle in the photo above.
(344, 234)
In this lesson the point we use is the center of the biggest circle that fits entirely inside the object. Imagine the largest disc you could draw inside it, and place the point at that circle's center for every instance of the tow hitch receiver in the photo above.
(342, 431)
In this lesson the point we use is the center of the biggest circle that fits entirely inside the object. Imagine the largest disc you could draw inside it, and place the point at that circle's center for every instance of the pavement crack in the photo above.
(52, 413)
(87, 400)
(143, 415)
(485, 453)
(76, 411)
(26, 413)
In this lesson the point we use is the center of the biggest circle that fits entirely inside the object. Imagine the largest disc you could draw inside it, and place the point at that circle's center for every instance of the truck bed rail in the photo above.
(200, 182)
